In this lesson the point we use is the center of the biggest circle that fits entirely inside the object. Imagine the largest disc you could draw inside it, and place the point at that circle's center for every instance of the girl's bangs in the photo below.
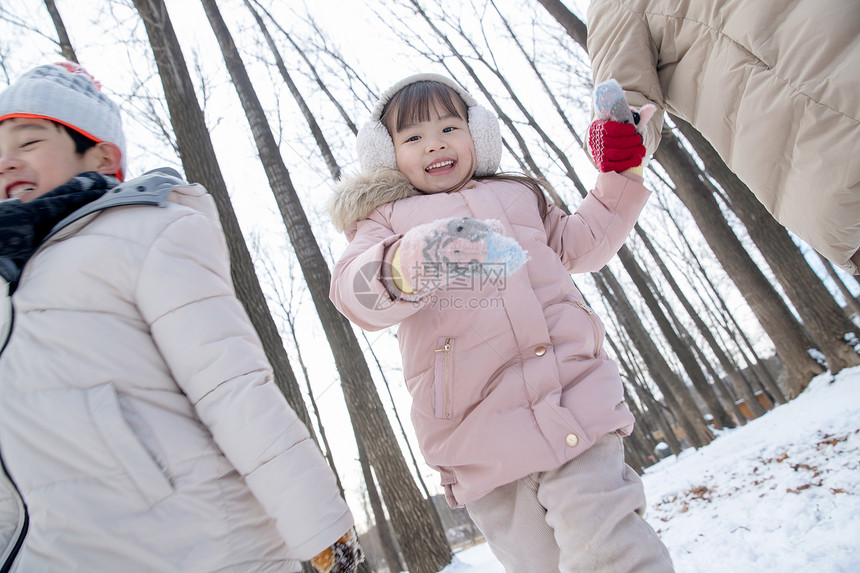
(420, 102)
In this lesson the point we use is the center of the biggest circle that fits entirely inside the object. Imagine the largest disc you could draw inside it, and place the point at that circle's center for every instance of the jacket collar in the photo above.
(356, 196)
(151, 188)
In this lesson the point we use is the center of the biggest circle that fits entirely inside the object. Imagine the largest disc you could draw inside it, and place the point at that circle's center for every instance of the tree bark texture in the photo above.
(852, 305)
(314, 127)
(574, 27)
(825, 320)
(801, 367)
(652, 408)
(383, 527)
(673, 389)
(681, 349)
(62, 36)
(730, 368)
(788, 336)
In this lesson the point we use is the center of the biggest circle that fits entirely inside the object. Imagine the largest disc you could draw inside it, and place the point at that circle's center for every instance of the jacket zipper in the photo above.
(442, 405)
(598, 338)
(11, 325)
(11, 553)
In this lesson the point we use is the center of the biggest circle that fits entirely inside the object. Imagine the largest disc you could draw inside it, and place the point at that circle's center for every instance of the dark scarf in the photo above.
(23, 226)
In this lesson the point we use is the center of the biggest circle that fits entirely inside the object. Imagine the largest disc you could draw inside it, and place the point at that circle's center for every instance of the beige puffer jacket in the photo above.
(774, 86)
(138, 414)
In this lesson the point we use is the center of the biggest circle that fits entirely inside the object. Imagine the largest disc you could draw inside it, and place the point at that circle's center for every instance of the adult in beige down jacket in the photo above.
(774, 86)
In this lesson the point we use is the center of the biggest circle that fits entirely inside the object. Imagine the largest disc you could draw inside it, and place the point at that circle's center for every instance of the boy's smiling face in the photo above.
(37, 155)
(437, 155)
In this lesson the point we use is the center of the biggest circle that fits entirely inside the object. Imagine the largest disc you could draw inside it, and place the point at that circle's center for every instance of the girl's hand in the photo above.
(615, 146)
(431, 256)
(613, 138)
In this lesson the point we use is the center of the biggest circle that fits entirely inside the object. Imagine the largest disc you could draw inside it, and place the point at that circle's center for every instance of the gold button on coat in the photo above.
(572, 440)
(540, 350)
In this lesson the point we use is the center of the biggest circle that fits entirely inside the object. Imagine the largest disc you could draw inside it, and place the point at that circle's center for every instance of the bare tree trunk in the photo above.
(327, 154)
(574, 27)
(655, 411)
(627, 258)
(851, 303)
(424, 546)
(681, 350)
(325, 443)
(383, 527)
(729, 367)
(787, 334)
(65, 43)
(434, 513)
(319, 81)
(636, 378)
(201, 165)
(335, 171)
(648, 401)
(570, 172)
(721, 392)
(673, 389)
(719, 302)
(646, 442)
(539, 76)
(791, 347)
(824, 319)
(399, 422)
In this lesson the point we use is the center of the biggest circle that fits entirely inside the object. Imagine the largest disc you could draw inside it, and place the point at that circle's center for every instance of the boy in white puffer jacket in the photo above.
(140, 427)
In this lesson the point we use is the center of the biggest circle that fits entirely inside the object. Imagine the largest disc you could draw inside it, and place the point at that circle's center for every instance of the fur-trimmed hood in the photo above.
(356, 196)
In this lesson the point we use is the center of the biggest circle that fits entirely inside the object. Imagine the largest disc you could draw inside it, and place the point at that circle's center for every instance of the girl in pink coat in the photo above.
(515, 402)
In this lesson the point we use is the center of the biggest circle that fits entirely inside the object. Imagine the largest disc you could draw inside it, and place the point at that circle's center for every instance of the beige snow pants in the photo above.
(585, 516)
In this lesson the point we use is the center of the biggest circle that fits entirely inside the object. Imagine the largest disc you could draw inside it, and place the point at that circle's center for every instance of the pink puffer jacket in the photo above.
(508, 376)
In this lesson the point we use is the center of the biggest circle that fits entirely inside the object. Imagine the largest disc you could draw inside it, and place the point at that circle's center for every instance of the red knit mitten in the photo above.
(342, 557)
(614, 139)
(615, 146)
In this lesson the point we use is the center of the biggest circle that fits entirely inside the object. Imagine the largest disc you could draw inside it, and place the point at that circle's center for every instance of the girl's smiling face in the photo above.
(432, 142)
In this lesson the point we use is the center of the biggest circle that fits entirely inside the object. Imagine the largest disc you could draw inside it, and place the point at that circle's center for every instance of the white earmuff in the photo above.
(376, 149)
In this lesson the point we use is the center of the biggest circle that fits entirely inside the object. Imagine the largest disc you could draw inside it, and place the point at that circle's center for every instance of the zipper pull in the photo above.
(583, 307)
(446, 348)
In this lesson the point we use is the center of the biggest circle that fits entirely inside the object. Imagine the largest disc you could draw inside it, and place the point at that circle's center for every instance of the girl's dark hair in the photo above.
(82, 142)
(417, 101)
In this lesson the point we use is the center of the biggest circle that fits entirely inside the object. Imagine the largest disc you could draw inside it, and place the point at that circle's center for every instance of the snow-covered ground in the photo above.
(781, 494)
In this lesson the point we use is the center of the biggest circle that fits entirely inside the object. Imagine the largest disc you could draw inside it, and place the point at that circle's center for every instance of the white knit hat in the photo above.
(67, 94)
(376, 149)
